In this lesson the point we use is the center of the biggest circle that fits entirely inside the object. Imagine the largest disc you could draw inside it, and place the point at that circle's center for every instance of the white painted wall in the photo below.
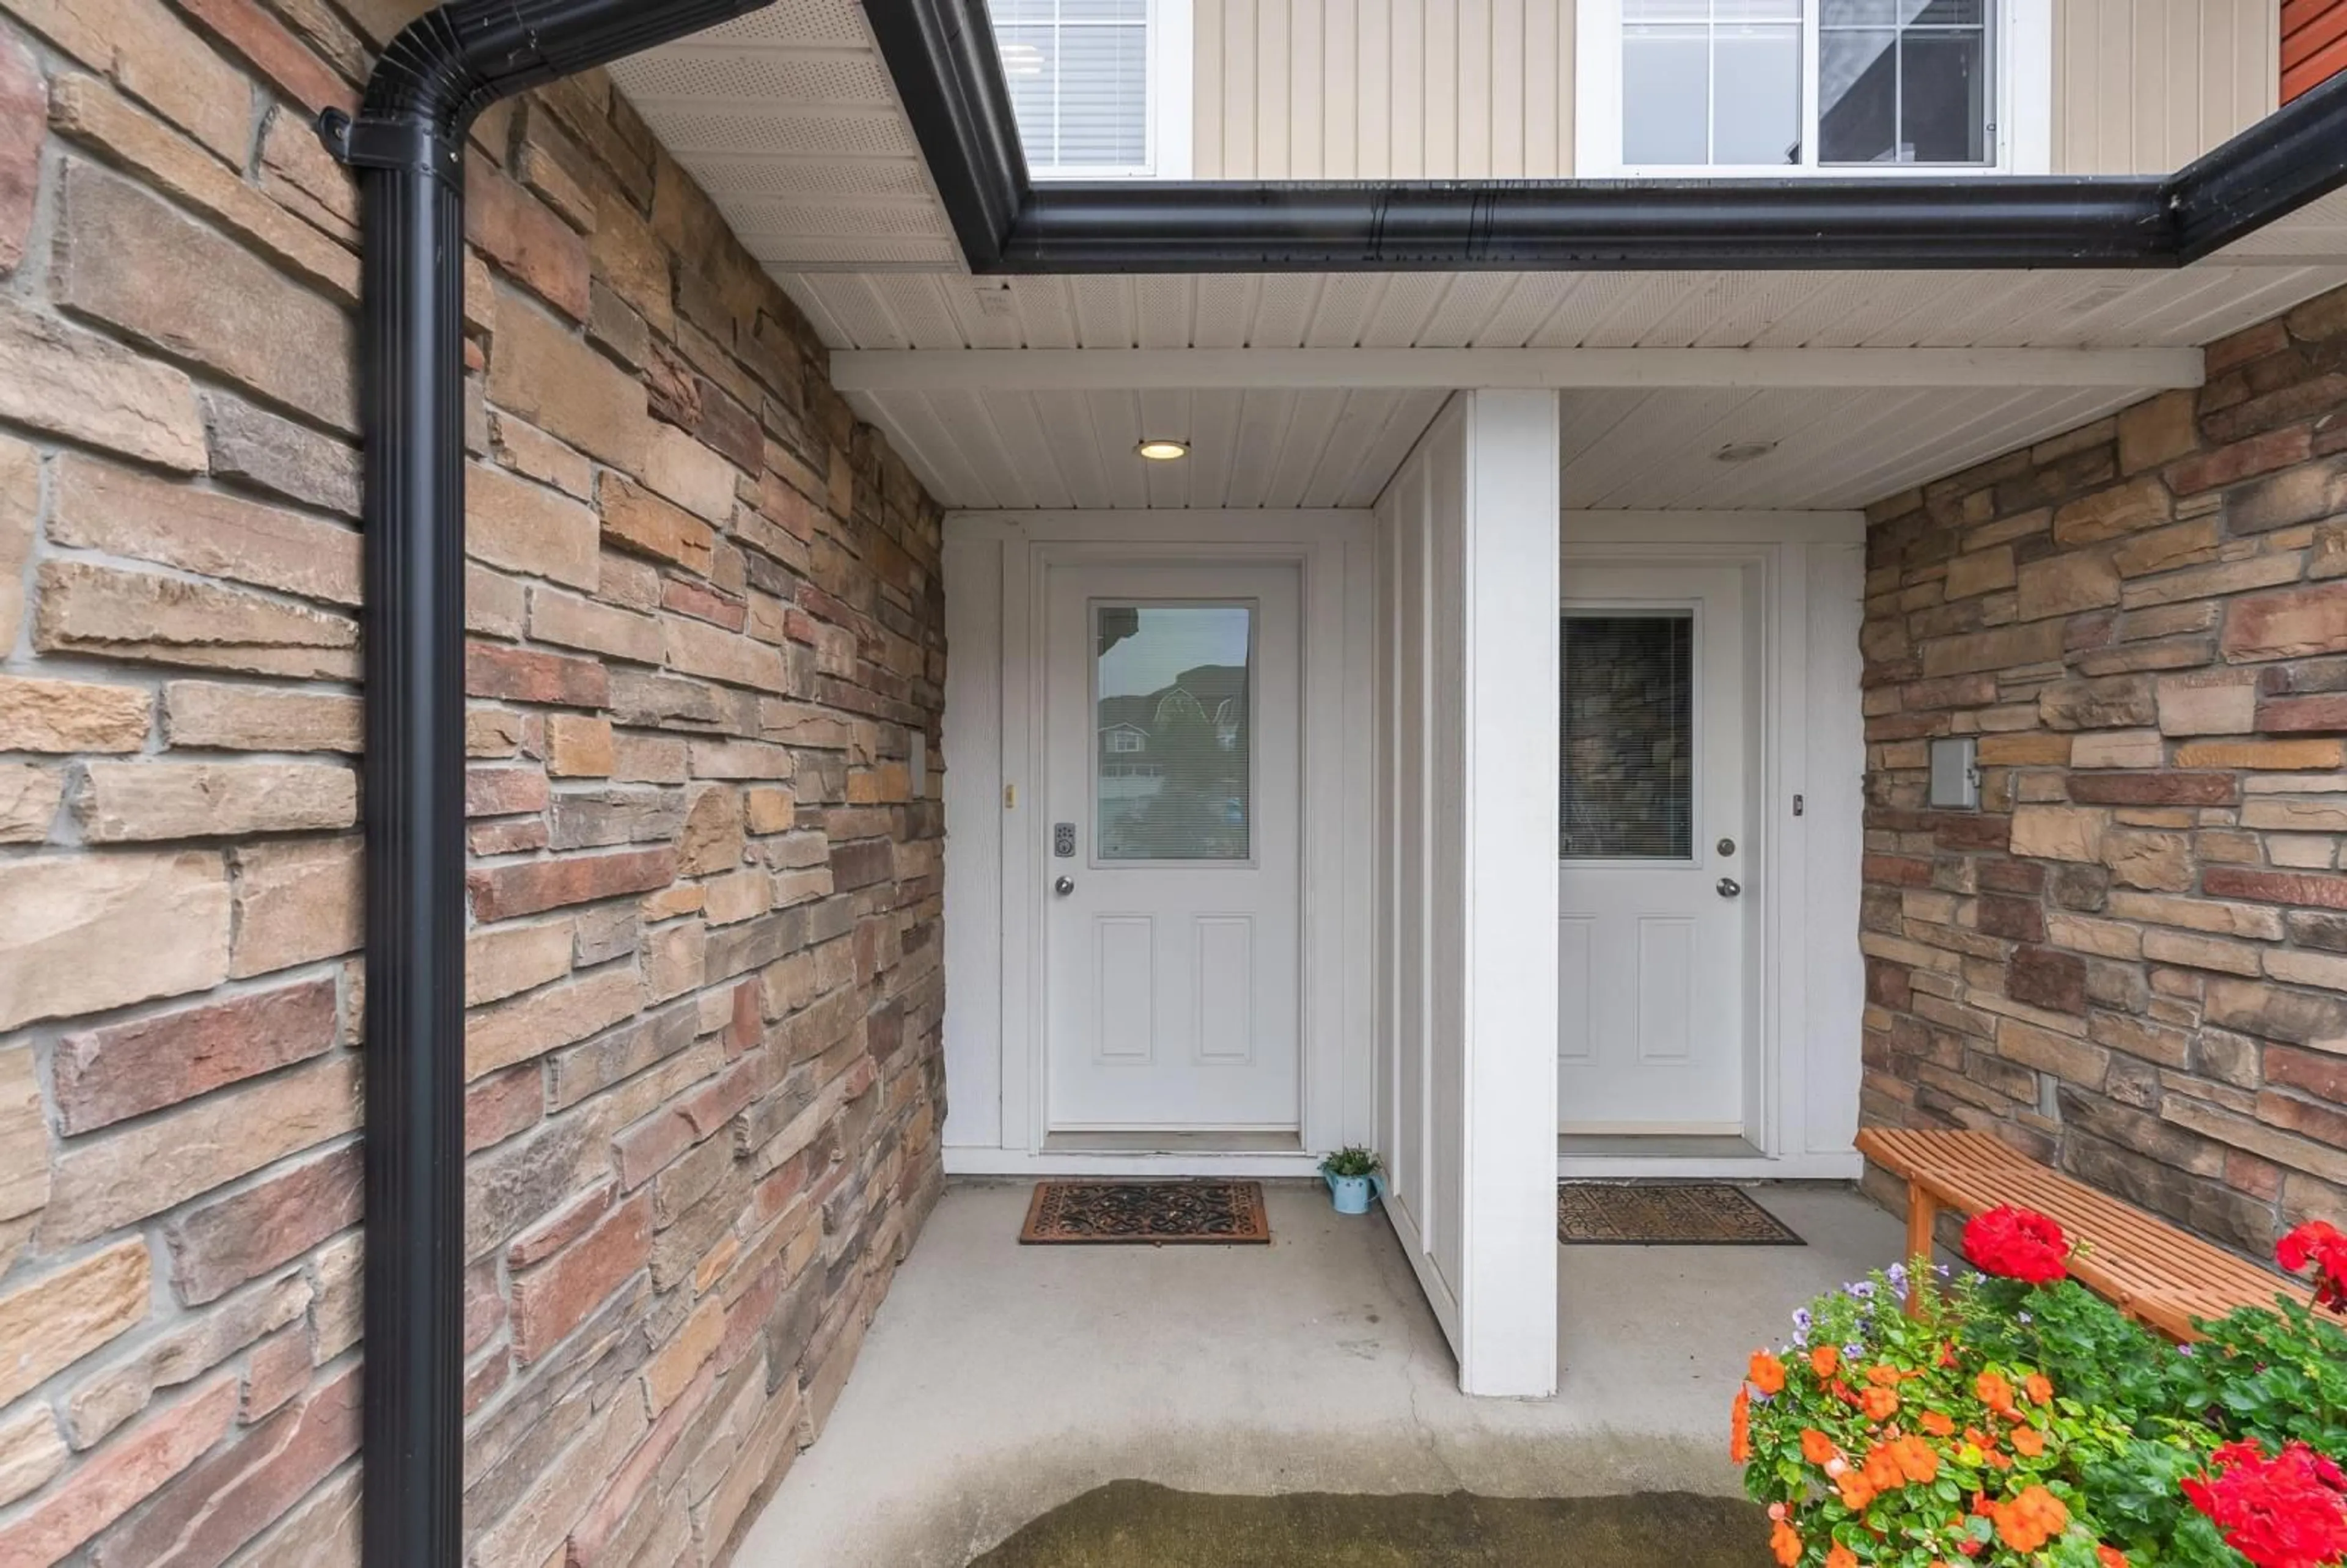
(1467, 779)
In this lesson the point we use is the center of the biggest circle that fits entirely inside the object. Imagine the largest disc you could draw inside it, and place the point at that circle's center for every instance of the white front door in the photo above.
(1170, 875)
(1655, 860)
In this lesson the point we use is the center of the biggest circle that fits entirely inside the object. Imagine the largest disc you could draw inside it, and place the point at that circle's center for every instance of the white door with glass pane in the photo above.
(1172, 864)
(1654, 854)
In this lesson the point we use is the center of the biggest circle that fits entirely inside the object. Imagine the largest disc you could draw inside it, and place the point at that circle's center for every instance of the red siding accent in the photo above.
(2313, 44)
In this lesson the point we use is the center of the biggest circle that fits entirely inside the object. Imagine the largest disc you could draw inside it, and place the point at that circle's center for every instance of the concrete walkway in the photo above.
(999, 1381)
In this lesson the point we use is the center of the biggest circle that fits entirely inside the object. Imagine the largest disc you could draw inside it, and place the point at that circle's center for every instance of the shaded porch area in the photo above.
(998, 1381)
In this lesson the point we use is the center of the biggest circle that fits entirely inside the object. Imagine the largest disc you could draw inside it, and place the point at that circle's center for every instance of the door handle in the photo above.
(1064, 885)
(1729, 887)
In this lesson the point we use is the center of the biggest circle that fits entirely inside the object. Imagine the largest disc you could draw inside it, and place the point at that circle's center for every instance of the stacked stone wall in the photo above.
(2132, 960)
(703, 971)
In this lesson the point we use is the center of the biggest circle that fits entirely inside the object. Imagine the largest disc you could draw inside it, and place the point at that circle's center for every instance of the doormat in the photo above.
(1146, 1213)
(1665, 1213)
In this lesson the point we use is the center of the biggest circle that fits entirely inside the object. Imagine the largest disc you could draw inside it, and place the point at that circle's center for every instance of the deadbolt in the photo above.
(1729, 887)
(1064, 885)
(1727, 847)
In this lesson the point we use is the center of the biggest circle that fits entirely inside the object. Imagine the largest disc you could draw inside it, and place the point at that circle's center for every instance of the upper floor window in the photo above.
(1793, 86)
(1100, 87)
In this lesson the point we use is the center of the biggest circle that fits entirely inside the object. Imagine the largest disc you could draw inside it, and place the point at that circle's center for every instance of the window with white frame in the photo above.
(1100, 87)
(1794, 87)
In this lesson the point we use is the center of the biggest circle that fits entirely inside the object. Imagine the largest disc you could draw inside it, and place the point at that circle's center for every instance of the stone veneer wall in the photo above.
(2133, 960)
(704, 969)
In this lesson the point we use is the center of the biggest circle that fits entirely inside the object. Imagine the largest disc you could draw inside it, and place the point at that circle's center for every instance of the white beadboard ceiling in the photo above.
(789, 119)
(1835, 447)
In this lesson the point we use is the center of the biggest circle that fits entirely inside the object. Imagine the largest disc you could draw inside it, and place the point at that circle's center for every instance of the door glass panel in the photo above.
(1628, 720)
(1173, 685)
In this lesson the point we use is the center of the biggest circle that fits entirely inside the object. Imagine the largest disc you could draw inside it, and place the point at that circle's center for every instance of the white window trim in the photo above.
(1171, 33)
(2025, 108)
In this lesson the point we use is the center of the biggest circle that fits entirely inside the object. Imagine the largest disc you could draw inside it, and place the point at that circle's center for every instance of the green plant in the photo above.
(2063, 1433)
(1352, 1160)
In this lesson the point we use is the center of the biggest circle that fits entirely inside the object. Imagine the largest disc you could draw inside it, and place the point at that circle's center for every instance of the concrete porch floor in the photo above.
(998, 1381)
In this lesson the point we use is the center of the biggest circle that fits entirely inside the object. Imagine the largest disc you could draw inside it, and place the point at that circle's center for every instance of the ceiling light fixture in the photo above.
(1743, 451)
(1164, 451)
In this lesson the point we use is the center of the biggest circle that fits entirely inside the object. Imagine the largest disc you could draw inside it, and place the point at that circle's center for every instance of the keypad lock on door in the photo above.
(1063, 840)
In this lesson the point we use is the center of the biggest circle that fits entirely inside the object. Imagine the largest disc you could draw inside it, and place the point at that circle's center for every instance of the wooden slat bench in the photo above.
(2145, 1267)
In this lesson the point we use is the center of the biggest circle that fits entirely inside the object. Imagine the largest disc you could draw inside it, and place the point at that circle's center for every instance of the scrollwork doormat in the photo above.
(1148, 1213)
(1665, 1213)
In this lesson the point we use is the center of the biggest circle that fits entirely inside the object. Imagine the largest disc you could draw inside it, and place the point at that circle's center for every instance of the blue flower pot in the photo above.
(1352, 1194)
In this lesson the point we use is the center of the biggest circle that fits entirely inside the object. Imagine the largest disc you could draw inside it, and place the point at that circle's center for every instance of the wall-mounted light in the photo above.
(1164, 451)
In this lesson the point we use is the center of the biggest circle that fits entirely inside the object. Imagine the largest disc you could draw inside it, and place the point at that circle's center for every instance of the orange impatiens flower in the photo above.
(1883, 1376)
(2110, 1557)
(2028, 1521)
(1995, 1392)
(1740, 1427)
(1815, 1447)
(1767, 1373)
(1882, 1471)
(1841, 1556)
(1879, 1404)
(1824, 1360)
(2028, 1441)
(2039, 1387)
(1785, 1543)
(1916, 1460)
(1938, 1425)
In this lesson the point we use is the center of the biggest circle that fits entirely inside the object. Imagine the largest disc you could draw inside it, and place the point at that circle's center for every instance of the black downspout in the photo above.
(408, 147)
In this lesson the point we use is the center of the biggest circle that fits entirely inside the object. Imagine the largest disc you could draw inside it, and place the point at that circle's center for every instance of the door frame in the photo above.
(1333, 552)
(1805, 982)
(1751, 570)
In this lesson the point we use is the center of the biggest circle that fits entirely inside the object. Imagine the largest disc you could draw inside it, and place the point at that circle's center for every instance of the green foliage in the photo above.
(1352, 1160)
(2130, 1417)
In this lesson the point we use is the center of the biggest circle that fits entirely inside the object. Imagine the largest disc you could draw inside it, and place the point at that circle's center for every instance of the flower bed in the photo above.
(2016, 1418)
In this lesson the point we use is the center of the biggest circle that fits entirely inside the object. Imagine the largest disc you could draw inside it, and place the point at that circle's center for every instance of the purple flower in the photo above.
(1863, 1290)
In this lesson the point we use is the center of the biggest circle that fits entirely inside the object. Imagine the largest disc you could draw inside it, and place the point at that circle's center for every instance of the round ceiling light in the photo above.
(1164, 451)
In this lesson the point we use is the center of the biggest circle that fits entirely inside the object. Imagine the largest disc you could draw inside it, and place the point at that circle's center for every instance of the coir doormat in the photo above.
(1152, 1213)
(1665, 1213)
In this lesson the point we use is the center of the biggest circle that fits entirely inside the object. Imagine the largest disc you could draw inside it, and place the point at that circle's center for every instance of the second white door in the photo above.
(1654, 862)
(1171, 876)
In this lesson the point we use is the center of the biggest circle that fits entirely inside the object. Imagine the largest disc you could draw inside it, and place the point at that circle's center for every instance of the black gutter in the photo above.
(2286, 159)
(407, 144)
(950, 78)
(1587, 226)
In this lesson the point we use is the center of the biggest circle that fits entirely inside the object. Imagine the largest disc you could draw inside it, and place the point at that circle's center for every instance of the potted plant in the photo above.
(1354, 1174)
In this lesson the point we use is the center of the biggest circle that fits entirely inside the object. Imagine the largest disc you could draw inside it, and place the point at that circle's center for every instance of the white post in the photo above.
(1508, 1304)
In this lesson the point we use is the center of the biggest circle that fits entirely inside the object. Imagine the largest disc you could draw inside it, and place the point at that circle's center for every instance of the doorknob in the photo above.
(1064, 885)
(1729, 887)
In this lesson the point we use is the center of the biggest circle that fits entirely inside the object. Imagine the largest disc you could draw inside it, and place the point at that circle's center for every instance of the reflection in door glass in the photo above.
(1628, 791)
(1170, 761)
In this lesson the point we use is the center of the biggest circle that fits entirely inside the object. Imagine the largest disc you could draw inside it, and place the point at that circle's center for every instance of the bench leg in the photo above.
(1922, 1220)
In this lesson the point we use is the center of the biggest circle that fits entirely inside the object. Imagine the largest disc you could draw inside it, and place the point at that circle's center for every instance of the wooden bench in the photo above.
(2143, 1265)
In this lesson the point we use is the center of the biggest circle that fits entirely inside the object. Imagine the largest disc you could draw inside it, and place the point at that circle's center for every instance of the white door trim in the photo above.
(1334, 553)
(1808, 984)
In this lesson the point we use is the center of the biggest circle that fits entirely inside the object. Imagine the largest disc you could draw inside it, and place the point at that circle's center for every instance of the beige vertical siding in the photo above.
(2144, 87)
(1375, 89)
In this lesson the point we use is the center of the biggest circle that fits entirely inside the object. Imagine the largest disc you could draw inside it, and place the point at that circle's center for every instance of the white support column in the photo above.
(1510, 590)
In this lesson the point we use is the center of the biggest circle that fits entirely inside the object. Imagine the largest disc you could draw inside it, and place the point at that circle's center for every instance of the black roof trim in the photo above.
(946, 71)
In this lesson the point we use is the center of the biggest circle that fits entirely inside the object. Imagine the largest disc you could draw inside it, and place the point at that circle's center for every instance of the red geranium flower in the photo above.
(2286, 1512)
(2016, 1244)
(2318, 1243)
